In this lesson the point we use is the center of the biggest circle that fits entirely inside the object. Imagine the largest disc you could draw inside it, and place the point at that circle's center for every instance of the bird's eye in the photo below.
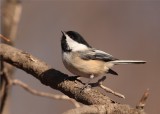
(71, 36)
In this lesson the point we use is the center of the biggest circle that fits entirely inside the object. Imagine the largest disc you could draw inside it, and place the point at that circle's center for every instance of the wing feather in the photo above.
(94, 54)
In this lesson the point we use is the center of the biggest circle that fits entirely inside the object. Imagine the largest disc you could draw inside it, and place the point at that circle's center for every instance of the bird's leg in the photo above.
(96, 84)
(87, 84)
(91, 77)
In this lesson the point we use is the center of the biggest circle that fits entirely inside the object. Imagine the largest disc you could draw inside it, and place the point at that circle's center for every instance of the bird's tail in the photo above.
(116, 62)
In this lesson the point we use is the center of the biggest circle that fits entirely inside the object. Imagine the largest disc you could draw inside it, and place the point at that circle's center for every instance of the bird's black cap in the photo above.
(76, 37)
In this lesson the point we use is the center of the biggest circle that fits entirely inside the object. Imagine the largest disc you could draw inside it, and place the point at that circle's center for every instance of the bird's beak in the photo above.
(63, 33)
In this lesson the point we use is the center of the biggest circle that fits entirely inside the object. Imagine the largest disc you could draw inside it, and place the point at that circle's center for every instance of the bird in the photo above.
(81, 59)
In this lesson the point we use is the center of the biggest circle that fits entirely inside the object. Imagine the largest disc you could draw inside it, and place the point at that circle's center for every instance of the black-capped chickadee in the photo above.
(83, 60)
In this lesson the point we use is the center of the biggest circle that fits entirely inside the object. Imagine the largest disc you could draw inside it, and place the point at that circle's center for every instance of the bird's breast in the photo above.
(83, 68)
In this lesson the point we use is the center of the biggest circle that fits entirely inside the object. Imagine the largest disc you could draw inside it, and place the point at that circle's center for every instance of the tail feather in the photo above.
(128, 62)
(112, 72)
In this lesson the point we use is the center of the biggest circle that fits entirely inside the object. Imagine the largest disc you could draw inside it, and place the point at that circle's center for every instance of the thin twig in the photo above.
(5, 38)
(100, 84)
(43, 94)
(143, 100)
(111, 91)
(7, 84)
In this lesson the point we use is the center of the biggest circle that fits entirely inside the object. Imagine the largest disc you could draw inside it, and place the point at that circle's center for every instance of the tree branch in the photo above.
(43, 94)
(60, 81)
(10, 16)
(143, 100)
(103, 109)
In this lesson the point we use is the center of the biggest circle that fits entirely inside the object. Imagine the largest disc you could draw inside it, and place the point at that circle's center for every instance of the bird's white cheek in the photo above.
(75, 46)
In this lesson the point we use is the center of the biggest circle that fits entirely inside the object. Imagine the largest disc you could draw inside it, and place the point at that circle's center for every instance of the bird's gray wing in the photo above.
(94, 54)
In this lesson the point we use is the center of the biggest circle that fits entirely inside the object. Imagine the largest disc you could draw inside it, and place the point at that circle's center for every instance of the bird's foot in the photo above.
(86, 87)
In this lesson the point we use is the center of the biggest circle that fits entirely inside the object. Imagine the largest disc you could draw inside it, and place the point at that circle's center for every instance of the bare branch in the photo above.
(43, 94)
(57, 80)
(10, 16)
(143, 100)
(93, 109)
(4, 86)
(51, 77)
(4, 38)
(111, 91)
(103, 109)
(11, 12)
(11, 82)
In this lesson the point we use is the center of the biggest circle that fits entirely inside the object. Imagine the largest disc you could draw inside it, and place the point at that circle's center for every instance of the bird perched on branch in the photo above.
(83, 60)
